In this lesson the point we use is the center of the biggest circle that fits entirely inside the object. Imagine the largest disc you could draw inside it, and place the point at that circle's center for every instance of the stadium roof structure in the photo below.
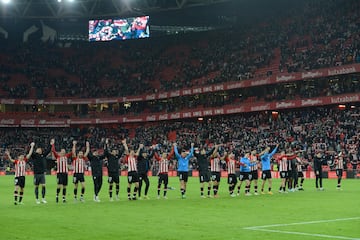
(60, 9)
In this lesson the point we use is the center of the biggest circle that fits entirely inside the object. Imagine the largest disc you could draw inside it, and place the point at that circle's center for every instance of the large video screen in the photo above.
(119, 29)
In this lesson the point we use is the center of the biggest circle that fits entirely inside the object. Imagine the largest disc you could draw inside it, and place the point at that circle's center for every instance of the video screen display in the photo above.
(119, 29)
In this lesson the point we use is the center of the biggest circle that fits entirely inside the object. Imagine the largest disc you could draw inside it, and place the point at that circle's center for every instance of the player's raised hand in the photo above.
(87, 144)
(52, 141)
(74, 142)
(123, 141)
(192, 144)
(32, 144)
(141, 145)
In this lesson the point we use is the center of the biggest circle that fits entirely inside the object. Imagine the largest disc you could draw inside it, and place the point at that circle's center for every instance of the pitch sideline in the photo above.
(263, 228)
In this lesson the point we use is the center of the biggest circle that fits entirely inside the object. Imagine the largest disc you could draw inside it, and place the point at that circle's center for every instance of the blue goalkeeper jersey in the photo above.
(265, 160)
(183, 163)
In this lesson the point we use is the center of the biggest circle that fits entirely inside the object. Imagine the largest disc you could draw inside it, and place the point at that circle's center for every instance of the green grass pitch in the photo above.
(310, 214)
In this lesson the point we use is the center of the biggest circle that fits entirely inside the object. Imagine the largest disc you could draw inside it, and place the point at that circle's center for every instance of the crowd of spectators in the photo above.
(323, 34)
(333, 129)
(330, 86)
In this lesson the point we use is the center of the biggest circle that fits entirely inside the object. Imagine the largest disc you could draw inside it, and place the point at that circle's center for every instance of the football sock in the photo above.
(15, 196)
(165, 190)
(43, 191)
(117, 189)
(21, 196)
(147, 185)
(110, 190)
(36, 192)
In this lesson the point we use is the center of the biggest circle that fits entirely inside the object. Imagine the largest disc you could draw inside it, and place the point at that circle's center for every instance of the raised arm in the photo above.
(87, 151)
(106, 148)
(171, 154)
(157, 157)
(191, 152)
(141, 146)
(274, 151)
(176, 151)
(211, 152)
(7, 152)
(74, 149)
(48, 149)
(53, 148)
(32, 145)
(125, 146)
(215, 150)
(152, 153)
(262, 152)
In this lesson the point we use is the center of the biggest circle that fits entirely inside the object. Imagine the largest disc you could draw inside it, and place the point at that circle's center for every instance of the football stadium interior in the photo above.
(238, 118)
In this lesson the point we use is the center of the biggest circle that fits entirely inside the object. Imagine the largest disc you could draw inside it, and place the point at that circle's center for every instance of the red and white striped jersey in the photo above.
(215, 164)
(283, 163)
(62, 164)
(132, 163)
(20, 168)
(299, 164)
(163, 166)
(163, 163)
(253, 158)
(79, 165)
(231, 165)
(61, 161)
(339, 163)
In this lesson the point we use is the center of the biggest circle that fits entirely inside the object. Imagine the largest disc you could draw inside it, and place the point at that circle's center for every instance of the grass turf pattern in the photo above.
(176, 218)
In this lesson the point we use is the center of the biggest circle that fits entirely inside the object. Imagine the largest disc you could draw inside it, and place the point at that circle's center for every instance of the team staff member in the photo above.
(266, 168)
(62, 159)
(202, 158)
(20, 171)
(143, 166)
(113, 166)
(183, 167)
(96, 163)
(318, 171)
(38, 159)
(79, 169)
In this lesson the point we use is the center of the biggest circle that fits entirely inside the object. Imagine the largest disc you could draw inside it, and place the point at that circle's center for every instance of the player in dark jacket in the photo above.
(143, 166)
(96, 163)
(38, 159)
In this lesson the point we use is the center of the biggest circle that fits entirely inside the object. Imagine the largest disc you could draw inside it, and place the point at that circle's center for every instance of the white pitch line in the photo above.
(302, 223)
(306, 234)
(263, 228)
